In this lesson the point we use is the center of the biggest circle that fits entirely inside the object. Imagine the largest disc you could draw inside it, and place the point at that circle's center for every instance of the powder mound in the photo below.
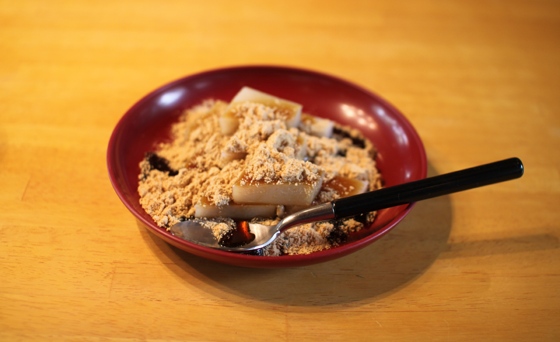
(274, 162)
(201, 165)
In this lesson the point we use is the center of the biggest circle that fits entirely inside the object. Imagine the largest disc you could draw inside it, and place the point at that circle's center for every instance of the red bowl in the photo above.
(401, 156)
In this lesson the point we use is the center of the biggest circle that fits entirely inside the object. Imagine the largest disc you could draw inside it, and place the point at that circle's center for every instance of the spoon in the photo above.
(256, 236)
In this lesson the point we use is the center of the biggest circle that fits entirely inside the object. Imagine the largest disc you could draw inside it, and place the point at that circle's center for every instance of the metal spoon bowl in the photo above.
(194, 231)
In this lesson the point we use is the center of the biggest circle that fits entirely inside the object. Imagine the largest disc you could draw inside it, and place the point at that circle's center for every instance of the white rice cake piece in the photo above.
(346, 187)
(316, 126)
(301, 147)
(343, 186)
(290, 193)
(228, 157)
(290, 110)
(236, 211)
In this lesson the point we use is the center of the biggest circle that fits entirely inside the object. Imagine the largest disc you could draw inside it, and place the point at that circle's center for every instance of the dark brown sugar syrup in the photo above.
(239, 236)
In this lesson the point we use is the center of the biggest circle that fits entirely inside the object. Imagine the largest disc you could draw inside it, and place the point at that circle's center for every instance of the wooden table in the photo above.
(480, 81)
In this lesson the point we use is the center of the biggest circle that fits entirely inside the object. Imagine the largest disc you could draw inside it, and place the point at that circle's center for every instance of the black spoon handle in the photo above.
(428, 188)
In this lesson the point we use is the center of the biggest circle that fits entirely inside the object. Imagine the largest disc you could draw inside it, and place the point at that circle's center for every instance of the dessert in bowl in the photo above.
(400, 156)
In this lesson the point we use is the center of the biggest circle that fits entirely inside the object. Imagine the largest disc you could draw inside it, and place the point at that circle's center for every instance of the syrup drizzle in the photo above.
(160, 163)
(240, 236)
(359, 142)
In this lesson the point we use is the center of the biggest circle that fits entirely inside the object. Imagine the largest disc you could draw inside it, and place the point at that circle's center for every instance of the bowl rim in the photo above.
(256, 260)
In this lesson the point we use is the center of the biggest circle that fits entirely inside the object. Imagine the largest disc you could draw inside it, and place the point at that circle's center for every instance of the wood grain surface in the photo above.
(479, 80)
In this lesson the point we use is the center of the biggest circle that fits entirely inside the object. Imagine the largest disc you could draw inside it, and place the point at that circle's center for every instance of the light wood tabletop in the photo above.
(479, 80)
